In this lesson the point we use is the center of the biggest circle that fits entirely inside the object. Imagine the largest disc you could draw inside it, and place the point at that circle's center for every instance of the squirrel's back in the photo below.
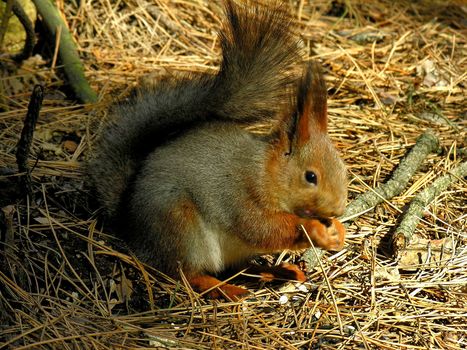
(251, 85)
(197, 174)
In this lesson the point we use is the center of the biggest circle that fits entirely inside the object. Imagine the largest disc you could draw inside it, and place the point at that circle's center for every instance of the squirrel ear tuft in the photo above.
(308, 112)
(311, 102)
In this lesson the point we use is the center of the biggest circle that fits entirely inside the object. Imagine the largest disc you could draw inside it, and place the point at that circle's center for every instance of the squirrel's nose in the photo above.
(339, 211)
(340, 203)
(334, 209)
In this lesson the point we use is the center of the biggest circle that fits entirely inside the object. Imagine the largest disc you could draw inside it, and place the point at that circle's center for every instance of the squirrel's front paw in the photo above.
(327, 234)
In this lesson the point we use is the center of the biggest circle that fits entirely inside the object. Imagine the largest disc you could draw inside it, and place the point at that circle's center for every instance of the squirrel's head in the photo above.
(308, 176)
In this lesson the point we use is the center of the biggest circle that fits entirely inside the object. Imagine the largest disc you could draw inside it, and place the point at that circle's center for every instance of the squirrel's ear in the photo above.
(308, 112)
(311, 116)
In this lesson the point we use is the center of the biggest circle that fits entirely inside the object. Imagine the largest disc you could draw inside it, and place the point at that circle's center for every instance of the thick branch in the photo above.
(13, 5)
(28, 28)
(67, 51)
(5, 20)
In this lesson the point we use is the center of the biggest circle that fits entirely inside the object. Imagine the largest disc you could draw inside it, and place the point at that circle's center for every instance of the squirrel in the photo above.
(190, 188)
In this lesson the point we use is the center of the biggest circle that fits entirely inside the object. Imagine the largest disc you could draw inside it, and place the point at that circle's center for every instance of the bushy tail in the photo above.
(258, 51)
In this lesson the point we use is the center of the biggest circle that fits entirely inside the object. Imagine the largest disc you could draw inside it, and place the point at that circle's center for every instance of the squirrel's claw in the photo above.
(329, 236)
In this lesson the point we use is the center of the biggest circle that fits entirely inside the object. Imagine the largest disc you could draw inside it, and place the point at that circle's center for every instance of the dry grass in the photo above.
(394, 68)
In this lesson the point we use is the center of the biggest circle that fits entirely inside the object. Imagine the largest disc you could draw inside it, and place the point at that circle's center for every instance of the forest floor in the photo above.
(395, 69)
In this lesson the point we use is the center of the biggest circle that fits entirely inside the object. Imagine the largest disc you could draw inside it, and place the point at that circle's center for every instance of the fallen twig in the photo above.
(24, 143)
(412, 216)
(426, 144)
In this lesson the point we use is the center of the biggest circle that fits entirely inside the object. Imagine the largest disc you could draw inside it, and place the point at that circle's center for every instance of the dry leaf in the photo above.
(424, 253)
(70, 146)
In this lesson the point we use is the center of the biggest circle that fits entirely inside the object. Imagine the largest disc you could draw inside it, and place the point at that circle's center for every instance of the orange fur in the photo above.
(186, 212)
(203, 283)
(312, 100)
(218, 289)
(303, 128)
(284, 271)
(329, 237)
(201, 193)
(317, 99)
(275, 231)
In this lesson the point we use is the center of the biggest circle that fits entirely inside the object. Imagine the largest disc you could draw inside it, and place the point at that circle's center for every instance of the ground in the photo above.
(394, 70)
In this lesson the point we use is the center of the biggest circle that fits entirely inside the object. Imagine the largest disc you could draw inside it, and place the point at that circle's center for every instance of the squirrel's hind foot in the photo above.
(283, 271)
(216, 289)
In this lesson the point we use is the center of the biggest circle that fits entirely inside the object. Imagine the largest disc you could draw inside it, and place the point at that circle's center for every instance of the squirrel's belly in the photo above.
(214, 250)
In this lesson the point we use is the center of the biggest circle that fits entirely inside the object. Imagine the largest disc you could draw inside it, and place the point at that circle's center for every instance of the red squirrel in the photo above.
(191, 189)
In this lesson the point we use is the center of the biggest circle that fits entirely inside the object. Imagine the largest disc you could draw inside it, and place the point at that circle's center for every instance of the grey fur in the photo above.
(178, 173)
(258, 51)
(212, 158)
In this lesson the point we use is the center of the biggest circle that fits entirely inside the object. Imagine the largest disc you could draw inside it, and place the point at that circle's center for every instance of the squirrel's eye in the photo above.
(311, 177)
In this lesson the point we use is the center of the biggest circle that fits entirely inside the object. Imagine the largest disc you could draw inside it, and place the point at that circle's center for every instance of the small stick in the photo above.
(426, 144)
(24, 143)
(412, 216)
